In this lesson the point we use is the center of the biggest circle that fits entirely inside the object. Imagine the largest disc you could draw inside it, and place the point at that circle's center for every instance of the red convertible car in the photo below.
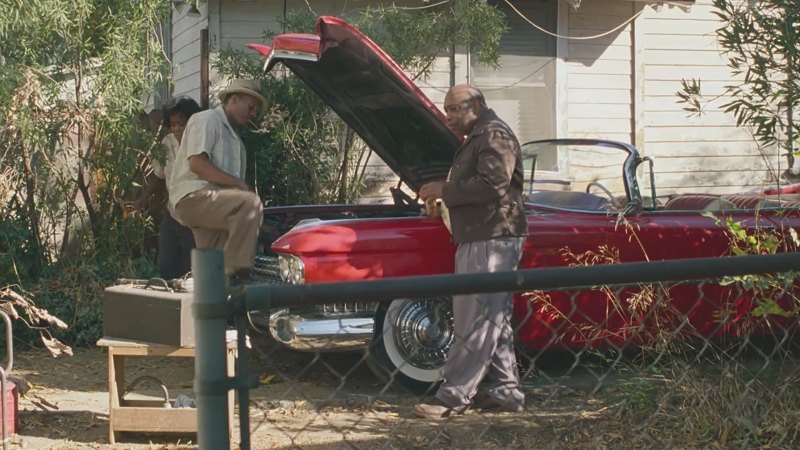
(588, 202)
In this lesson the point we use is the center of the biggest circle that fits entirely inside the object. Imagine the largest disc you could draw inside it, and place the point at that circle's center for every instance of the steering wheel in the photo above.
(612, 199)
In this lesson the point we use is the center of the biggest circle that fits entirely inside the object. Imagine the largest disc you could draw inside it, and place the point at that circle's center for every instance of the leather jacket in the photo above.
(484, 189)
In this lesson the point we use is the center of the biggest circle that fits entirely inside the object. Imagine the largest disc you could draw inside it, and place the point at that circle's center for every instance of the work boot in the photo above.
(486, 403)
(435, 409)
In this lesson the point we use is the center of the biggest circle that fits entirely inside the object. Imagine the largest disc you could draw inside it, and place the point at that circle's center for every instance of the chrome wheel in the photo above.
(412, 337)
(423, 332)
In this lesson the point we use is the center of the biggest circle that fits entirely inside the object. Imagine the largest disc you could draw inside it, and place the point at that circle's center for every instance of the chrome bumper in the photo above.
(323, 333)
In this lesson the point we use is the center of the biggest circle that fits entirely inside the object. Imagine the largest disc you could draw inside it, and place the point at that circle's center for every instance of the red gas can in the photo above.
(11, 398)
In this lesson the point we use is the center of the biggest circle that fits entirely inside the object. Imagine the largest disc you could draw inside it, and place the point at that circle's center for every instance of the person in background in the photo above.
(175, 241)
(483, 196)
(207, 186)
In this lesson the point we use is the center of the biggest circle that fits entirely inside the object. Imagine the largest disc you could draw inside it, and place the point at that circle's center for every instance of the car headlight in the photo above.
(292, 269)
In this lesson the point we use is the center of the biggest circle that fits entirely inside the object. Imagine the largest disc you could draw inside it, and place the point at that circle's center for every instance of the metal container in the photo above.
(148, 313)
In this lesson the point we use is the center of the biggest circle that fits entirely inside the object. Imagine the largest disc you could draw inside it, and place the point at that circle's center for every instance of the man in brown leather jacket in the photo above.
(483, 195)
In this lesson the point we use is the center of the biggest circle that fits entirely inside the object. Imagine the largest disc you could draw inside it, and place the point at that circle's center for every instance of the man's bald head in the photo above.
(464, 92)
(463, 104)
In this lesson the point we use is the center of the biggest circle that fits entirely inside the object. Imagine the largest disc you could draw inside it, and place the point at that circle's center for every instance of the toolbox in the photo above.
(148, 312)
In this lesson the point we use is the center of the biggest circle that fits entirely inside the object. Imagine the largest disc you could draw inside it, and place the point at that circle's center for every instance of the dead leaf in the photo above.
(56, 347)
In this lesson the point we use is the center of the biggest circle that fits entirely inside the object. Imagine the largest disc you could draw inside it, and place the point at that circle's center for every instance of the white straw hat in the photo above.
(239, 86)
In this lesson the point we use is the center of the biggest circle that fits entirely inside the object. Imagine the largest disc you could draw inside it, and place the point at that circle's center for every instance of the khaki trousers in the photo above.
(224, 218)
(484, 339)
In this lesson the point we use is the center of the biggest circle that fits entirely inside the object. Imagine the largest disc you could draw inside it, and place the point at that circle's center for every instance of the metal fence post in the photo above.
(210, 381)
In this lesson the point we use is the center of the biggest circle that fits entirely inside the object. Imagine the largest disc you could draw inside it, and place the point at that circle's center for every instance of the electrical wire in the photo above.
(573, 38)
(413, 8)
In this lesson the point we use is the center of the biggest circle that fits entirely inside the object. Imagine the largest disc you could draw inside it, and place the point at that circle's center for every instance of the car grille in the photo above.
(267, 271)
(347, 307)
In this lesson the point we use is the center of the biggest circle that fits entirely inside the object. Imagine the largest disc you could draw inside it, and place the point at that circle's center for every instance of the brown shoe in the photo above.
(435, 409)
(486, 403)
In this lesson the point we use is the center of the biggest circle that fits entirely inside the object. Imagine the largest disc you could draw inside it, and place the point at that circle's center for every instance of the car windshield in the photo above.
(586, 175)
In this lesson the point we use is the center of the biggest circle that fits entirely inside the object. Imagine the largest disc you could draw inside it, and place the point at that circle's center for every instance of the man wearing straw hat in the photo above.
(207, 187)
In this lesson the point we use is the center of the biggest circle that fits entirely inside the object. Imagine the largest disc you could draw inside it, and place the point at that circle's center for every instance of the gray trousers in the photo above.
(224, 218)
(483, 344)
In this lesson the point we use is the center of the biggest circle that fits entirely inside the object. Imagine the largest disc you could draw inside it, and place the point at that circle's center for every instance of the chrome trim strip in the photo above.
(329, 334)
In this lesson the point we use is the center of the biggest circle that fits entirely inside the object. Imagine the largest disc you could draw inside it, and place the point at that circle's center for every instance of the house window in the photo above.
(522, 90)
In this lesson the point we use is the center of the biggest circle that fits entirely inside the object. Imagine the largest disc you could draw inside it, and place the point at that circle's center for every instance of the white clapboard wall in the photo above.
(621, 86)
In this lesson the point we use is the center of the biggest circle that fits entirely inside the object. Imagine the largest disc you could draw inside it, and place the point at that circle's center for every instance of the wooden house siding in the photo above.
(620, 86)
(599, 79)
(706, 153)
(186, 53)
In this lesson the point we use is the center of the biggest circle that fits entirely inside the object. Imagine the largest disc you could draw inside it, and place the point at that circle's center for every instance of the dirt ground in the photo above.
(304, 401)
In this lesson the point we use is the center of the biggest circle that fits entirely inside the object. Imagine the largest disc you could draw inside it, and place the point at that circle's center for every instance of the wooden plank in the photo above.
(596, 52)
(187, 35)
(709, 89)
(670, 103)
(675, 72)
(600, 125)
(188, 85)
(613, 136)
(682, 118)
(599, 81)
(672, 41)
(186, 51)
(696, 134)
(691, 27)
(604, 96)
(599, 67)
(696, 58)
(189, 62)
(595, 110)
(154, 420)
(733, 149)
(144, 403)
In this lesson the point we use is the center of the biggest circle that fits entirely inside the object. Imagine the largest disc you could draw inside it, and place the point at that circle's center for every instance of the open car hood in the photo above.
(372, 95)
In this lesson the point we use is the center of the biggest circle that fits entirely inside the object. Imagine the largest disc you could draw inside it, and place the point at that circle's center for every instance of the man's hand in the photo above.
(431, 190)
(206, 170)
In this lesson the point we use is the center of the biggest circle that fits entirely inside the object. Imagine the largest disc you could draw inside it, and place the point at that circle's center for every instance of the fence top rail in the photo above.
(264, 296)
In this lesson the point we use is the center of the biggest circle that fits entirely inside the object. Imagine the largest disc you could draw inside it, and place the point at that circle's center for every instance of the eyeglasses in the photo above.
(457, 107)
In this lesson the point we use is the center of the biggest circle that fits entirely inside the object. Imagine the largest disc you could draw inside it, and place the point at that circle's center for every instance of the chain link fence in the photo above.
(676, 354)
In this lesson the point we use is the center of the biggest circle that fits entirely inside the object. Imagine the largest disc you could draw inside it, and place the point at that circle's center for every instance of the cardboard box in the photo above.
(153, 314)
